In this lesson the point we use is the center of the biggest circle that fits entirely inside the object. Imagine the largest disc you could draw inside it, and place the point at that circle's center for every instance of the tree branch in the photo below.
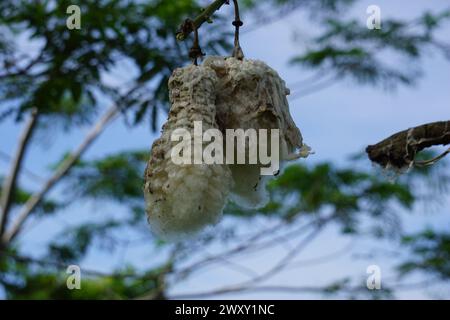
(33, 176)
(9, 184)
(315, 87)
(188, 25)
(24, 70)
(63, 169)
(243, 289)
(400, 149)
(250, 245)
(432, 161)
(249, 285)
(355, 289)
(63, 266)
(320, 260)
(284, 262)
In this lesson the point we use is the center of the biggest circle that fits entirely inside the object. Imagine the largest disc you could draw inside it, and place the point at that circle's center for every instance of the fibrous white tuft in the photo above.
(223, 93)
(181, 199)
(251, 95)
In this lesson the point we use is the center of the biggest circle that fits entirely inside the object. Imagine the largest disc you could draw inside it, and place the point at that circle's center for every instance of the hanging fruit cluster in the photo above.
(223, 93)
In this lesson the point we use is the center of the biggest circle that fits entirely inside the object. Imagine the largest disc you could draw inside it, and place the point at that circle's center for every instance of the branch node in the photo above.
(237, 51)
(400, 149)
(195, 52)
(238, 23)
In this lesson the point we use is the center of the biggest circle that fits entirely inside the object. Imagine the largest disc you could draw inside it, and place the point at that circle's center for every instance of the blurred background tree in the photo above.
(58, 81)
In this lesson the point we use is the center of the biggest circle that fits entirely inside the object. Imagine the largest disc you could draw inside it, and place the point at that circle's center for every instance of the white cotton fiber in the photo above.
(181, 199)
(250, 94)
(223, 93)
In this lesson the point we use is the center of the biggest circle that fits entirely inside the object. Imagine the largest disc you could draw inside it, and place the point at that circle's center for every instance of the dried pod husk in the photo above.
(222, 93)
(181, 199)
(251, 95)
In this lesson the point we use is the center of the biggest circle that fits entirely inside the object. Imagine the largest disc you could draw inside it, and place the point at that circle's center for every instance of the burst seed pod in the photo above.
(223, 93)
(251, 95)
(181, 199)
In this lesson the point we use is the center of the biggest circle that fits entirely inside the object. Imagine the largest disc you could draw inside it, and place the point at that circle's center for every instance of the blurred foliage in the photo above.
(430, 254)
(315, 6)
(351, 195)
(116, 178)
(21, 196)
(350, 50)
(67, 75)
(22, 281)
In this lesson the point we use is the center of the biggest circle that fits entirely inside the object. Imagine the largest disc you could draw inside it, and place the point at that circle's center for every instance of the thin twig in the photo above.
(188, 26)
(9, 185)
(432, 161)
(24, 71)
(196, 266)
(310, 80)
(32, 175)
(196, 51)
(400, 149)
(237, 23)
(63, 169)
(263, 21)
(362, 289)
(246, 246)
(313, 88)
(243, 289)
(63, 266)
(322, 259)
(283, 263)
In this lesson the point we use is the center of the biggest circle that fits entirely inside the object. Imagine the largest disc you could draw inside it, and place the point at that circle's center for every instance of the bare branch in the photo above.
(63, 266)
(267, 238)
(322, 259)
(238, 267)
(432, 161)
(243, 289)
(188, 26)
(9, 184)
(315, 87)
(262, 20)
(400, 149)
(237, 23)
(242, 247)
(283, 263)
(34, 176)
(362, 289)
(24, 71)
(63, 169)
(248, 285)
